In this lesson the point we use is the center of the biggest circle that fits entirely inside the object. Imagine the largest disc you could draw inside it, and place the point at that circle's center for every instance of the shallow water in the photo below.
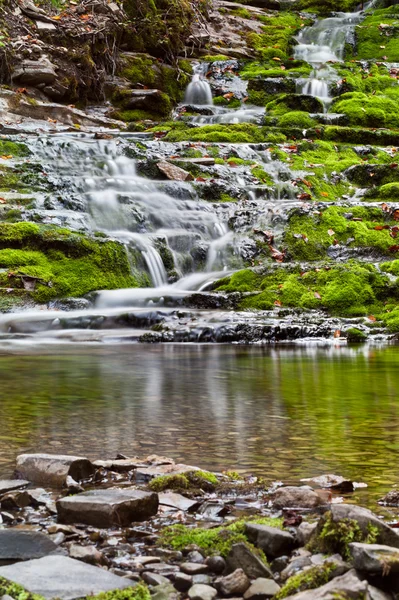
(283, 413)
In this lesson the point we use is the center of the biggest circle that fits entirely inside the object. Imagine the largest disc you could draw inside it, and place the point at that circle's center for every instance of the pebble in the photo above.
(194, 568)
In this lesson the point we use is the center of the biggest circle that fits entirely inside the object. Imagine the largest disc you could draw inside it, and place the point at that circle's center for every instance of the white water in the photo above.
(198, 91)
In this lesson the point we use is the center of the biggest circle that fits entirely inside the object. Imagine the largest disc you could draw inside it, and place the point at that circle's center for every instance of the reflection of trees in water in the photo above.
(283, 413)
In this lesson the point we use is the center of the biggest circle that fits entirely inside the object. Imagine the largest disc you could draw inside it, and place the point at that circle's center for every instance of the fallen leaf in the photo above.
(331, 232)
(317, 295)
(277, 303)
(324, 194)
(337, 333)
(371, 318)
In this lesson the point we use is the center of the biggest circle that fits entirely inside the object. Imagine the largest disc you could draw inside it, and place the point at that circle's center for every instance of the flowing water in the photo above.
(281, 413)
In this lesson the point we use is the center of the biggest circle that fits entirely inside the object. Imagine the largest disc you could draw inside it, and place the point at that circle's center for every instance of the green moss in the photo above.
(217, 540)
(364, 110)
(375, 42)
(215, 58)
(14, 149)
(296, 119)
(277, 37)
(355, 336)
(169, 482)
(328, 6)
(240, 133)
(335, 536)
(307, 580)
(138, 592)
(231, 103)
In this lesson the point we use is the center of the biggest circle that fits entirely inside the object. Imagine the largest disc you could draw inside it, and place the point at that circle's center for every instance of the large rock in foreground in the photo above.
(348, 586)
(62, 577)
(17, 544)
(274, 542)
(106, 508)
(375, 559)
(53, 469)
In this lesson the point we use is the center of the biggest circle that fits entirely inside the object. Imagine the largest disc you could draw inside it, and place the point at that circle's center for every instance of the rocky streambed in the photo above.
(151, 528)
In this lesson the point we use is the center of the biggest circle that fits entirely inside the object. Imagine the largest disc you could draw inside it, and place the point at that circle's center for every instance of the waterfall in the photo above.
(199, 91)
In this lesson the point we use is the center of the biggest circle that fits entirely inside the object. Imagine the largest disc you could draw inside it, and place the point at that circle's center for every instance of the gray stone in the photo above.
(144, 474)
(202, 592)
(105, 508)
(375, 559)
(241, 557)
(183, 582)
(332, 482)
(164, 591)
(10, 485)
(205, 579)
(261, 589)
(195, 557)
(348, 586)
(174, 172)
(32, 72)
(364, 518)
(294, 566)
(376, 594)
(177, 501)
(62, 577)
(52, 469)
(235, 584)
(44, 26)
(296, 497)
(89, 554)
(194, 568)
(154, 578)
(304, 532)
(216, 564)
(274, 542)
(279, 564)
(19, 544)
(120, 465)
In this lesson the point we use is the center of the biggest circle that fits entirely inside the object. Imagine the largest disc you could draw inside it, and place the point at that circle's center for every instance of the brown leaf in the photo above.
(385, 207)
(277, 303)
(393, 249)
(395, 215)
(337, 333)
(381, 227)
(317, 295)
(304, 196)
(276, 254)
(371, 318)
(331, 232)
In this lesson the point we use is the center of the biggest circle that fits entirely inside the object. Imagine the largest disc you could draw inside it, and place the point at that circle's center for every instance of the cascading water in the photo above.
(199, 91)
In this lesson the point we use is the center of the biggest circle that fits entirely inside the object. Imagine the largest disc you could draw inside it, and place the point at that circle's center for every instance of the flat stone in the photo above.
(375, 559)
(174, 172)
(147, 473)
(88, 554)
(191, 568)
(332, 482)
(296, 497)
(235, 584)
(200, 591)
(62, 577)
(177, 501)
(346, 586)
(19, 544)
(154, 578)
(105, 508)
(273, 541)
(32, 72)
(52, 469)
(44, 26)
(261, 589)
(241, 557)
(122, 465)
(10, 485)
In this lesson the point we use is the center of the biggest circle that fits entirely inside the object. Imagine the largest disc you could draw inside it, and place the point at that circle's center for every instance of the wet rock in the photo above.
(296, 497)
(347, 586)
(19, 544)
(241, 557)
(144, 474)
(52, 469)
(177, 501)
(191, 568)
(202, 592)
(261, 589)
(58, 538)
(73, 486)
(390, 499)
(10, 485)
(15, 500)
(304, 532)
(216, 564)
(273, 541)
(235, 584)
(105, 508)
(375, 559)
(88, 554)
(174, 172)
(33, 73)
(122, 465)
(273, 85)
(182, 582)
(154, 578)
(364, 518)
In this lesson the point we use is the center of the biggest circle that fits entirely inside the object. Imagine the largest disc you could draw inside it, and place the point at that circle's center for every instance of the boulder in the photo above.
(20, 544)
(304, 532)
(174, 172)
(53, 469)
(241, 557)
(296, 497)
(390, 499)
(375, 559)
(10, 485)
(144, 474)
(62, 577)
(348, 586)
(261, 589)
(34, 72)
(106, 508)
(364, 518)
(201, 592)
(235, 584)
(273, 541)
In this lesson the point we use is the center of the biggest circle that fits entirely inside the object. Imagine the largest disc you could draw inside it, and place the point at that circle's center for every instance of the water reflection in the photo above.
(283, 413)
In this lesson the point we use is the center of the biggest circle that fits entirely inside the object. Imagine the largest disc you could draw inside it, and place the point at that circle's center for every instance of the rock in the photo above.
(89, 554)
(365, 518)
(62, 577)
(73, 486)
(375, 559)
(273, 85)
(177, 501)
(202, 592)
(273, 541)
(164, 591)
(390, 499)
(304, 532)
(195, 557)
(376, 594)
(347, 586)
(296, 497)
(15, 500)
(205, 579)
(147, 473)
(45, 26)
(261, 589)
(279, 564)
(20, 544)
(154, 578)
(105, 508)
(33, 73)
(332, 482)
(241, 557)
(216, 564)
(122, 465)
(52, 469)
(10, 485)
(235, 584)
(191, 568)
(294, 566)
(182, 582)
(173, 172)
